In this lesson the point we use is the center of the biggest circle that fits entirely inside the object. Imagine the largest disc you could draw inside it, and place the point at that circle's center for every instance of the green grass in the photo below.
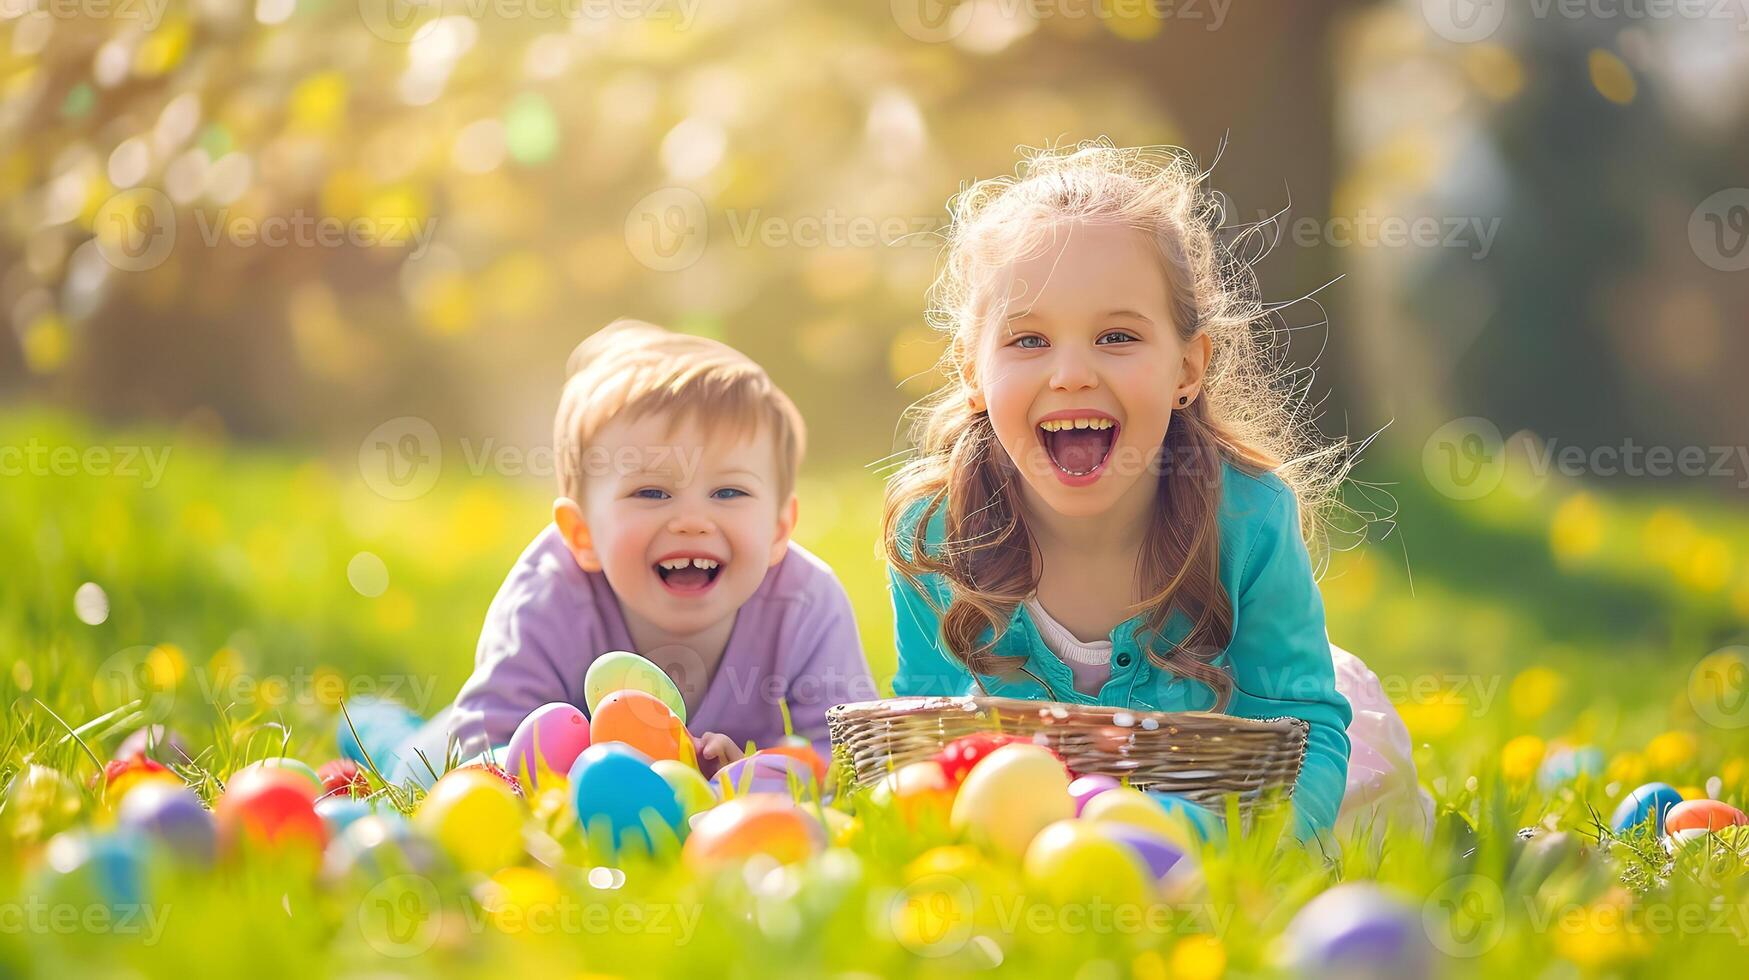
(1552, 611)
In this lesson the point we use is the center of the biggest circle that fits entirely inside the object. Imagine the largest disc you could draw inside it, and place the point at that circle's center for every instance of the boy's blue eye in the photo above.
(729, 493)
(1027, 342)
(650, 493)
(1121, 335)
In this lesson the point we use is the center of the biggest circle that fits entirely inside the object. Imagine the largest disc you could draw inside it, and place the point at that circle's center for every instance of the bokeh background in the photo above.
(288, 287)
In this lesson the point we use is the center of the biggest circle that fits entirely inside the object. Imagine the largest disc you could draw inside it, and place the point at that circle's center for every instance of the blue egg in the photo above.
(614, 789)
(1652, 799)
(108, 868)
(1207, 825)
(173, 816)
(339, 812)
(1358, 929)
(1568, 765)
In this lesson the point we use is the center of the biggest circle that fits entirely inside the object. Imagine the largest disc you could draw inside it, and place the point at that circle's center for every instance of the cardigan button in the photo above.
(1123, 660)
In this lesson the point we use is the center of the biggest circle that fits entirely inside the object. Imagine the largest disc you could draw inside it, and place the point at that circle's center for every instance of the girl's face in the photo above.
(1081, 371)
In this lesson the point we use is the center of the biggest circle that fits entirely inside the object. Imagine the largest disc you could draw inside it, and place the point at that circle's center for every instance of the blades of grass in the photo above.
(74, 735)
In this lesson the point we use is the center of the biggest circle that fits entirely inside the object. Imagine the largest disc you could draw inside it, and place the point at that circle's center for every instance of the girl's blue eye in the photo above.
(1121, 335)
(650, 493)
(1025, 343)
(729, 493)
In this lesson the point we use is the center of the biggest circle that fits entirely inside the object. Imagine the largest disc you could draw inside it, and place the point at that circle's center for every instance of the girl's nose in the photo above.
(1071, 372)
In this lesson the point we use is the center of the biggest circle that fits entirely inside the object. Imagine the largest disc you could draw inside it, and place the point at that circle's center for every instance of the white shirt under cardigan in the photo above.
(1090, 663)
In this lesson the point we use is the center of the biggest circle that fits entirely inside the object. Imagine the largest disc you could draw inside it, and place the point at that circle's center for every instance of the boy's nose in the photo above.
(689, 524)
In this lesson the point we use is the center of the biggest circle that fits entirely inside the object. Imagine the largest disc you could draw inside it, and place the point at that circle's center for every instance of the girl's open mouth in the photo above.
(688, 574)
(1079, 446)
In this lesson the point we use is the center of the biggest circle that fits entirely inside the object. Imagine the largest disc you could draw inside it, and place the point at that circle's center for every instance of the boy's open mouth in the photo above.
(688, 574)
(1079, 444)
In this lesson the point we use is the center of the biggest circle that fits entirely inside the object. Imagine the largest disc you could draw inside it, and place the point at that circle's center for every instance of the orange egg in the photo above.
(1707, 815)
(761, 823)
(643, 722)
(921, 791)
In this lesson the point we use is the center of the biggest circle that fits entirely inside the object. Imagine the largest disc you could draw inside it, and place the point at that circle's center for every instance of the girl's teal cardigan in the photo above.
(1279, 657)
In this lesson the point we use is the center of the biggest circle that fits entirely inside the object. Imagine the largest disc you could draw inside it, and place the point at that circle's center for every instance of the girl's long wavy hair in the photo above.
(1251, 411)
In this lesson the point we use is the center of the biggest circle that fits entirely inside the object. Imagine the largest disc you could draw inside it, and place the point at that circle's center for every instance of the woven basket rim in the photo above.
(1058, 710)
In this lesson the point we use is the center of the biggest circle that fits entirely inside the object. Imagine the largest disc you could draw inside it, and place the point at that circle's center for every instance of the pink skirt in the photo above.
(1382, 786)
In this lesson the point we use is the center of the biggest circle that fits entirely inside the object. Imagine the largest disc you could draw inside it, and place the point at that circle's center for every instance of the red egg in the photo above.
(959, 756)
(269, 806)
(1708, 815)
(342, 777)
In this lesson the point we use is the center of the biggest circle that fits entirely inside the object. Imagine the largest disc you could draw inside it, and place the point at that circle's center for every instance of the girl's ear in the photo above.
(1195, 366)
(575, 530)
(786, 526)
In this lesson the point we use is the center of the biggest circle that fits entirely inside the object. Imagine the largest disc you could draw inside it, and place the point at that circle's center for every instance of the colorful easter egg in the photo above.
(616, 794)
(269, 806)
(40, 802)
(1072, 862)
(155, 742)
(380, 846)
(1565, 765)
(123, 776)
(290, 765)
(1012, 794)
(689, 785)
(758, 773)
(622, 671)
(641, 721)
(107, 869)
(340, 812)
(547, 742)
(483, 763)
(1649, 802)
(475, 817)
(921, 792)
(1136, 808)
(959, 756)
(1703, 815)
(342, 777)
(1358, 929)
(1156, 852)
(801, 751)
(172, 815)
(748, 825)
(1085, 788)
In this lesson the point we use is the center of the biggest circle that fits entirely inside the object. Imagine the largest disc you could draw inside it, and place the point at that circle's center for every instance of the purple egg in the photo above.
(1157, 853)
(173, 816)
(1358, 929)
(156, 742)
(1087, 787)
(761, 773)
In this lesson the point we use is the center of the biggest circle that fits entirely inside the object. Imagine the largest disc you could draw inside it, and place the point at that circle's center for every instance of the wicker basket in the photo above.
(1195, 754)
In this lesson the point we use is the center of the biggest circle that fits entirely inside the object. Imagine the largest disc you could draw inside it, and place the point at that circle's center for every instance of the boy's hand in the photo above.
(715, 750)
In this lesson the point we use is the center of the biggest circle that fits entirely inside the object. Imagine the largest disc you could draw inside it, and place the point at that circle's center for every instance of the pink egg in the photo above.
(1087, 787)
(548, 741)
(1706, 815)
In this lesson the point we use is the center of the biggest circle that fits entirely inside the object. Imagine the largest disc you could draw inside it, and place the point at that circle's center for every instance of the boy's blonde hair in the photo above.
(635, 369)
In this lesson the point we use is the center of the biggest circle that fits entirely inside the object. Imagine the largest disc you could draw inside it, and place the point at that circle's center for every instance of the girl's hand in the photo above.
(714, 751)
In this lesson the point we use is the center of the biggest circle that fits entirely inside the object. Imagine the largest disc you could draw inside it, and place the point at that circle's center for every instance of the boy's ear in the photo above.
(575, 530)
(786, 526)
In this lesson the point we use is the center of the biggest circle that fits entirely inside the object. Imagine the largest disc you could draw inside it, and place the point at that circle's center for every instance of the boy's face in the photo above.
(684, 525)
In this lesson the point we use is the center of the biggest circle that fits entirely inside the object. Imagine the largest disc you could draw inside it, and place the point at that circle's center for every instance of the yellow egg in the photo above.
(921, 791)
(515, 897)
(689, 785)
(1011, 795)
(1136, 808)
(842, 829)
(1073, 863)
(476, 817)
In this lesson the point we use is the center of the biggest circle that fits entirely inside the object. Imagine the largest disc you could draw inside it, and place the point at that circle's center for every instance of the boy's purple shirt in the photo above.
(794, 639)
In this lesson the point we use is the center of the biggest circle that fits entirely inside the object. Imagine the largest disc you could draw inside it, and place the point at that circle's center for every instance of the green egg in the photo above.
(689, 785)
(622, 671)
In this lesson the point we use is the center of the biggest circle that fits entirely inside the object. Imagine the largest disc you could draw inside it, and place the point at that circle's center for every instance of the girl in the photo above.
(1110, 490)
